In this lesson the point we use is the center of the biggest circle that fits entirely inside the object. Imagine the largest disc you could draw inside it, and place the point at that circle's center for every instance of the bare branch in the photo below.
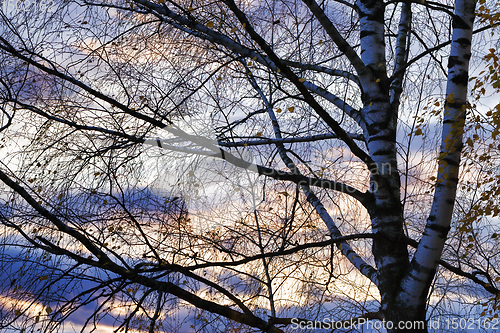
(337, 37)
(334, 125)
(267, 141)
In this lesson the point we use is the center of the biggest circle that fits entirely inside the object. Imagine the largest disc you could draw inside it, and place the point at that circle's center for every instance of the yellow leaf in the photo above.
(219, 78)
(210, 24)
(244, 25)
(48, 309)
(291, 108)
(371, 103)
(233, 30)
(320, 42)
(450, 98)
(254, 58)
(378, 80)
(44, 278)
(191, 173)
(259, 134)
(279, 110)
(279, 70)
(17, 313)
(190, 9)
(302, 80)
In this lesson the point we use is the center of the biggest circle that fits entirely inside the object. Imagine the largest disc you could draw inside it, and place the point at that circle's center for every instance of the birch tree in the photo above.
(252, 166)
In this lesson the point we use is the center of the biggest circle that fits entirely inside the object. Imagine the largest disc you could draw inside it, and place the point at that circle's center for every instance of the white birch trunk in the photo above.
(416, 283)
(389, 247)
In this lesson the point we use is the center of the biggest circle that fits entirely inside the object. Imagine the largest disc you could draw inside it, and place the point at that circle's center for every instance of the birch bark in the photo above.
(411, 299)
(389, 247)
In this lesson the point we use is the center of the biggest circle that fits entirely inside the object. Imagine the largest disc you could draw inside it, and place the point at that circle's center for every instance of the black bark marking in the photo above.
(459, 23)
(450, 202)
(380, 98)
(366, 33)
(382, 225)
(464, 41)
(455, 105)
(462, 78)
(416, 278)
(429, 248)
(376, 127)
(442, 231)
(450, 161)
(383, 152)
(453, 61)
(387, 137)
(420, 268)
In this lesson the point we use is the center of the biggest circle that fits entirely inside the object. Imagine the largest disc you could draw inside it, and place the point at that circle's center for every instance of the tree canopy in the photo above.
(178, 166)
